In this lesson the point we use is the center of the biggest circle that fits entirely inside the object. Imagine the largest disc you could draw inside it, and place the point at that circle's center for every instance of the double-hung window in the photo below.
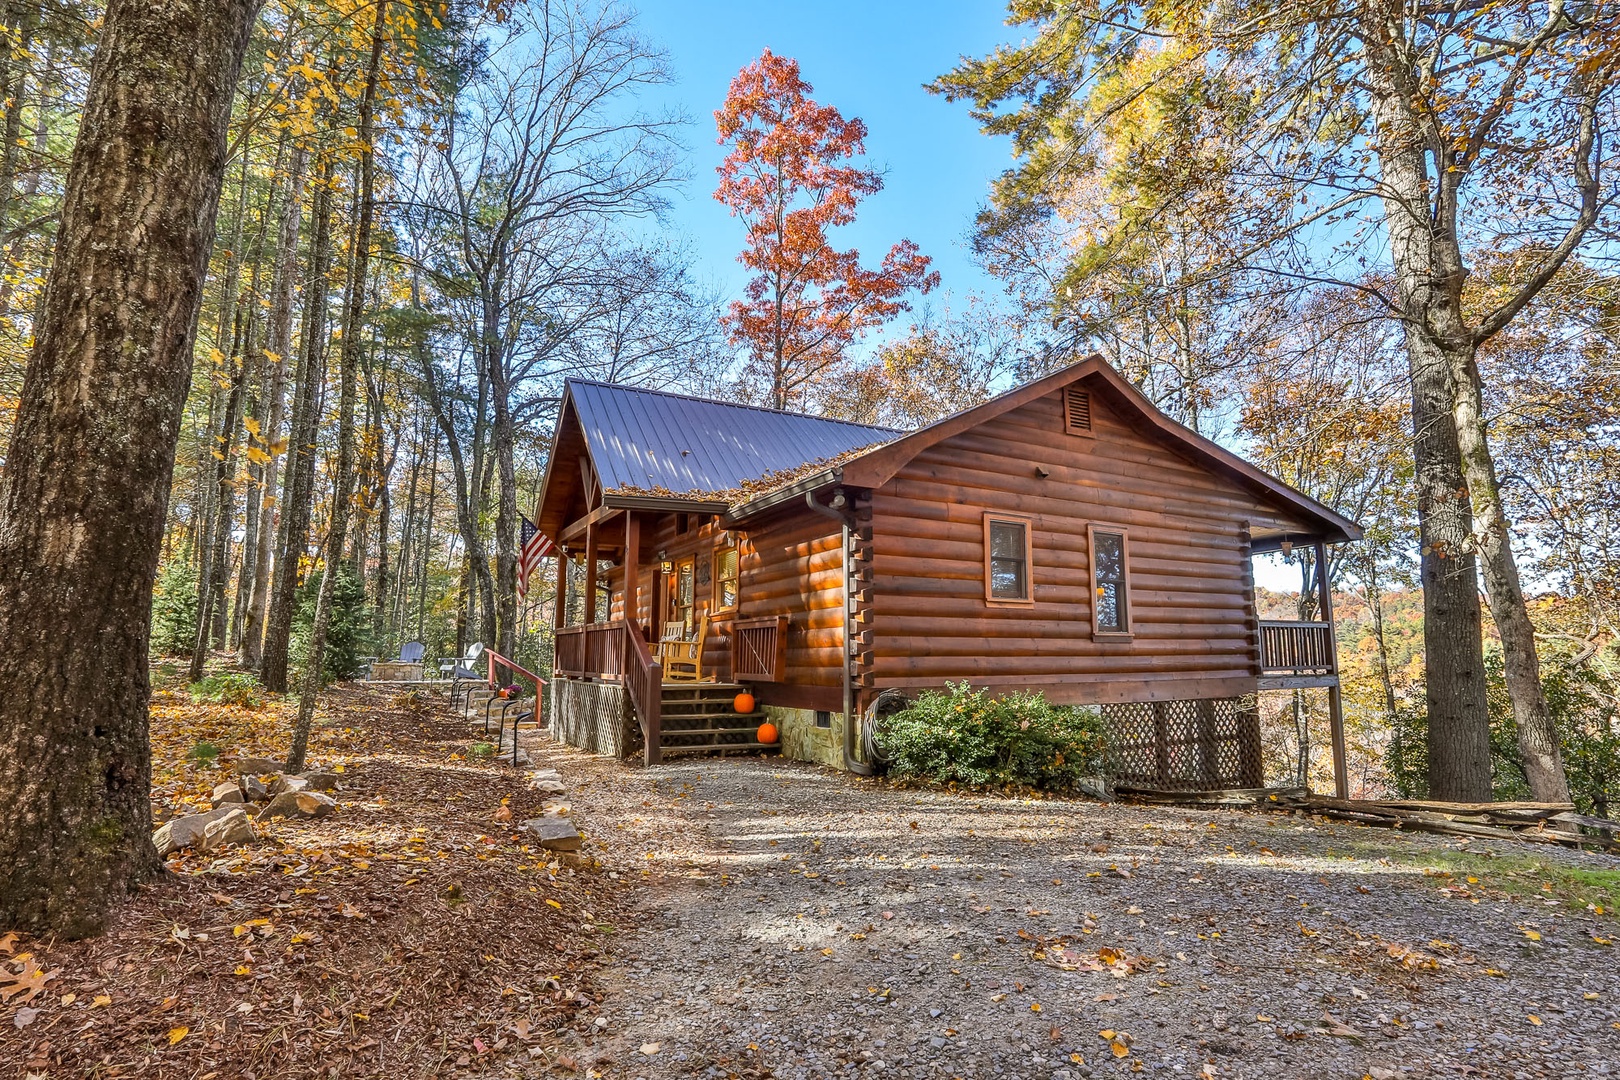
(1007, 559)
(725, 579)
(1110, 568)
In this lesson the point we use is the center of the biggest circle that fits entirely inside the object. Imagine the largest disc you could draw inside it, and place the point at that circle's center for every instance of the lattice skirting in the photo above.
(1185, 745)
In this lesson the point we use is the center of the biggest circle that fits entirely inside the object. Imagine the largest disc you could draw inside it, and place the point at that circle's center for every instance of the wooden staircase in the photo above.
(698, 718)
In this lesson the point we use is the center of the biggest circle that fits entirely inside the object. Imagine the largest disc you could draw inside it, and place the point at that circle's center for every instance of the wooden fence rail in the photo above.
(1296, 648)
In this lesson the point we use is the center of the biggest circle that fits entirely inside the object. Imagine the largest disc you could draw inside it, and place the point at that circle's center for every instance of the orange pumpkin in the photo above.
(743, 702)
(767, 733)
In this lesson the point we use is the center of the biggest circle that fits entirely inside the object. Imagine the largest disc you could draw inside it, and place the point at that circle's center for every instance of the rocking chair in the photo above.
(683, 660)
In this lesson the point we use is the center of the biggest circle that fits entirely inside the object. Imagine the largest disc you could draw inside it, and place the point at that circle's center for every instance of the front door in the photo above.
(679, 588)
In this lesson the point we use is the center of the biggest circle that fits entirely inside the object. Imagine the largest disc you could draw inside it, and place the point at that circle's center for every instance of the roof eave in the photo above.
(794, 492)
(665, 503)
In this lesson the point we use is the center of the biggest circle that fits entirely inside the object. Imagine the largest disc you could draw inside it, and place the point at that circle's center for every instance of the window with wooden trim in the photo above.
(1077, 411)
(1008, 559)
(725, 579)
(1110, 580)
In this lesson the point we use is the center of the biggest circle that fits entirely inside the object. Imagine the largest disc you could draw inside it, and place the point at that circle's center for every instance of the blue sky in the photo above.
(869, 60)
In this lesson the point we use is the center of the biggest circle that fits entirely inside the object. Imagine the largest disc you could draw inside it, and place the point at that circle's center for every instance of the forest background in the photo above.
(478, 194)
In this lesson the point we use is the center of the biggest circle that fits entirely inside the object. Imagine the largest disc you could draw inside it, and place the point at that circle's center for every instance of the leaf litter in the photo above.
(399, 935)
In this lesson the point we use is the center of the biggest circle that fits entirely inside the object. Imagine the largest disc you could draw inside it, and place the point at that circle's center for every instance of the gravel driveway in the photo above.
(796, 922)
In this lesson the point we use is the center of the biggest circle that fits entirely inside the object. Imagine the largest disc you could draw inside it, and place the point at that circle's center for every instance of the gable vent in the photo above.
(1077, 410)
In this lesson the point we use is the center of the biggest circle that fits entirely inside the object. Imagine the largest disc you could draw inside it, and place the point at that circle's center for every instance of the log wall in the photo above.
(1188, 556)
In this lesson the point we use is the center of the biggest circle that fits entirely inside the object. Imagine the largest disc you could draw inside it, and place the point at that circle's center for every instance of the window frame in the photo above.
(991, 519)
(1126, 633)
(716, 605)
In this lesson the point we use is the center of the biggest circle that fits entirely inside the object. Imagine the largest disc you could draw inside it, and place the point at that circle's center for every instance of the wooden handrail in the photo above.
(644, 680)
(616, 650)
(515, 667)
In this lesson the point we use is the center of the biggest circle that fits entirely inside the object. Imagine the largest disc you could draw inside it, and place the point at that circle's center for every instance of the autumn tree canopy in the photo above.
(791, 176)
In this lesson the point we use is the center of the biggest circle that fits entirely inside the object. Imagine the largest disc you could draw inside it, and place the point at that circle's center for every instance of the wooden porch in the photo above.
(686, 716)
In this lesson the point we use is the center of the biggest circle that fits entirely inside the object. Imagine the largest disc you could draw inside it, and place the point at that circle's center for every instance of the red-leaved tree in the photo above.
(790, 176)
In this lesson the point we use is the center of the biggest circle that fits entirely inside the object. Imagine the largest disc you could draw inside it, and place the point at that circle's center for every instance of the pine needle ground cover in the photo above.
(409, 934)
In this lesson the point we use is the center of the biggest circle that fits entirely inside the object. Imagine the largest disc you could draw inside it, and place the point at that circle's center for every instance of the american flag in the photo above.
(534, 547)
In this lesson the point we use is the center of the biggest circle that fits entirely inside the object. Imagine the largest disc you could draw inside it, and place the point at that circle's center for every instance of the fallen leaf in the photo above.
(8, 944)
(100, 1001)
(176, 1034)
(28, 982)
(25, 1016)
(1536, 1020)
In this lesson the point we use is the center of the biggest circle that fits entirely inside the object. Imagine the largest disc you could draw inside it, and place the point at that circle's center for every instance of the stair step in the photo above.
(724, 748)
(717, 708)
(752, 730)
(727, 719)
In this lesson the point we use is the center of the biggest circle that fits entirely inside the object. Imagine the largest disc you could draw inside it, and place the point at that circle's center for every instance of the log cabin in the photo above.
(1064, 536)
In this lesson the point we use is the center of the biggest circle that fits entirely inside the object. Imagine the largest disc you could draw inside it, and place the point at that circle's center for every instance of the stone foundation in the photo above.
(803, 741)
(594, 716)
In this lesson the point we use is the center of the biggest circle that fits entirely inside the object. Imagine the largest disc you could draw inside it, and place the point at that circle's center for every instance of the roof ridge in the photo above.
(732, 404)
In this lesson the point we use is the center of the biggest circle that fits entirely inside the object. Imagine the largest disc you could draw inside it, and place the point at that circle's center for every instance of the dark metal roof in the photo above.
(654, 440)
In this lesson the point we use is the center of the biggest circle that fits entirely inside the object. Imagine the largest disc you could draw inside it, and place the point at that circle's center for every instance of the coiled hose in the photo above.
(885, 705)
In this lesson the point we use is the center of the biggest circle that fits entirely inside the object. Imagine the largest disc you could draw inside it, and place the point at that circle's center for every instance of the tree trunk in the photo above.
(279, 342)
(506, 513)
(1429, 283)
(85, 493)
(211, 582)
(1375, 605)
(348, 367)
(1537, 735)
(297, 498)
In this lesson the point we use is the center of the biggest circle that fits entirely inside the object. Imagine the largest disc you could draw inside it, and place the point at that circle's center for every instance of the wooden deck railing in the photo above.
(1296, 648)
(617, 651)
(759, 649)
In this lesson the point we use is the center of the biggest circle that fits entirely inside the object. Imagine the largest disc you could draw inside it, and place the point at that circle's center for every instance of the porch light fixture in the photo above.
(663, 560)
(1286, 547)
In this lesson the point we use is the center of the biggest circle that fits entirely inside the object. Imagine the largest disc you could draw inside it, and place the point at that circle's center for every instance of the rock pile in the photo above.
(260, 789)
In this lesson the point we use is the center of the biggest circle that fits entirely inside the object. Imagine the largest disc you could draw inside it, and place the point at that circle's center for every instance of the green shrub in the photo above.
(349, 636)
(964, 736)
(204, 754)
(174, 612)
(229, 688)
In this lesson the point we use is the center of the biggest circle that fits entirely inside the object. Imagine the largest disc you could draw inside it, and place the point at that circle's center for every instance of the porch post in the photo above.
(559, 614)
(590, 573)
(632, 568)
(1324, 593)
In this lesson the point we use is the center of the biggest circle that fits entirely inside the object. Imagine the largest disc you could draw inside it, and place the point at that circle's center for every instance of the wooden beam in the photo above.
(1324, 592)
(559, 616)
(590, 573)
(575, 529)
(632, 569)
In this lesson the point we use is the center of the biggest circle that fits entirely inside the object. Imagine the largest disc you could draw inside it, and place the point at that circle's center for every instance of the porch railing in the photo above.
(616, 651)
(1296, 648)
(759, 649)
